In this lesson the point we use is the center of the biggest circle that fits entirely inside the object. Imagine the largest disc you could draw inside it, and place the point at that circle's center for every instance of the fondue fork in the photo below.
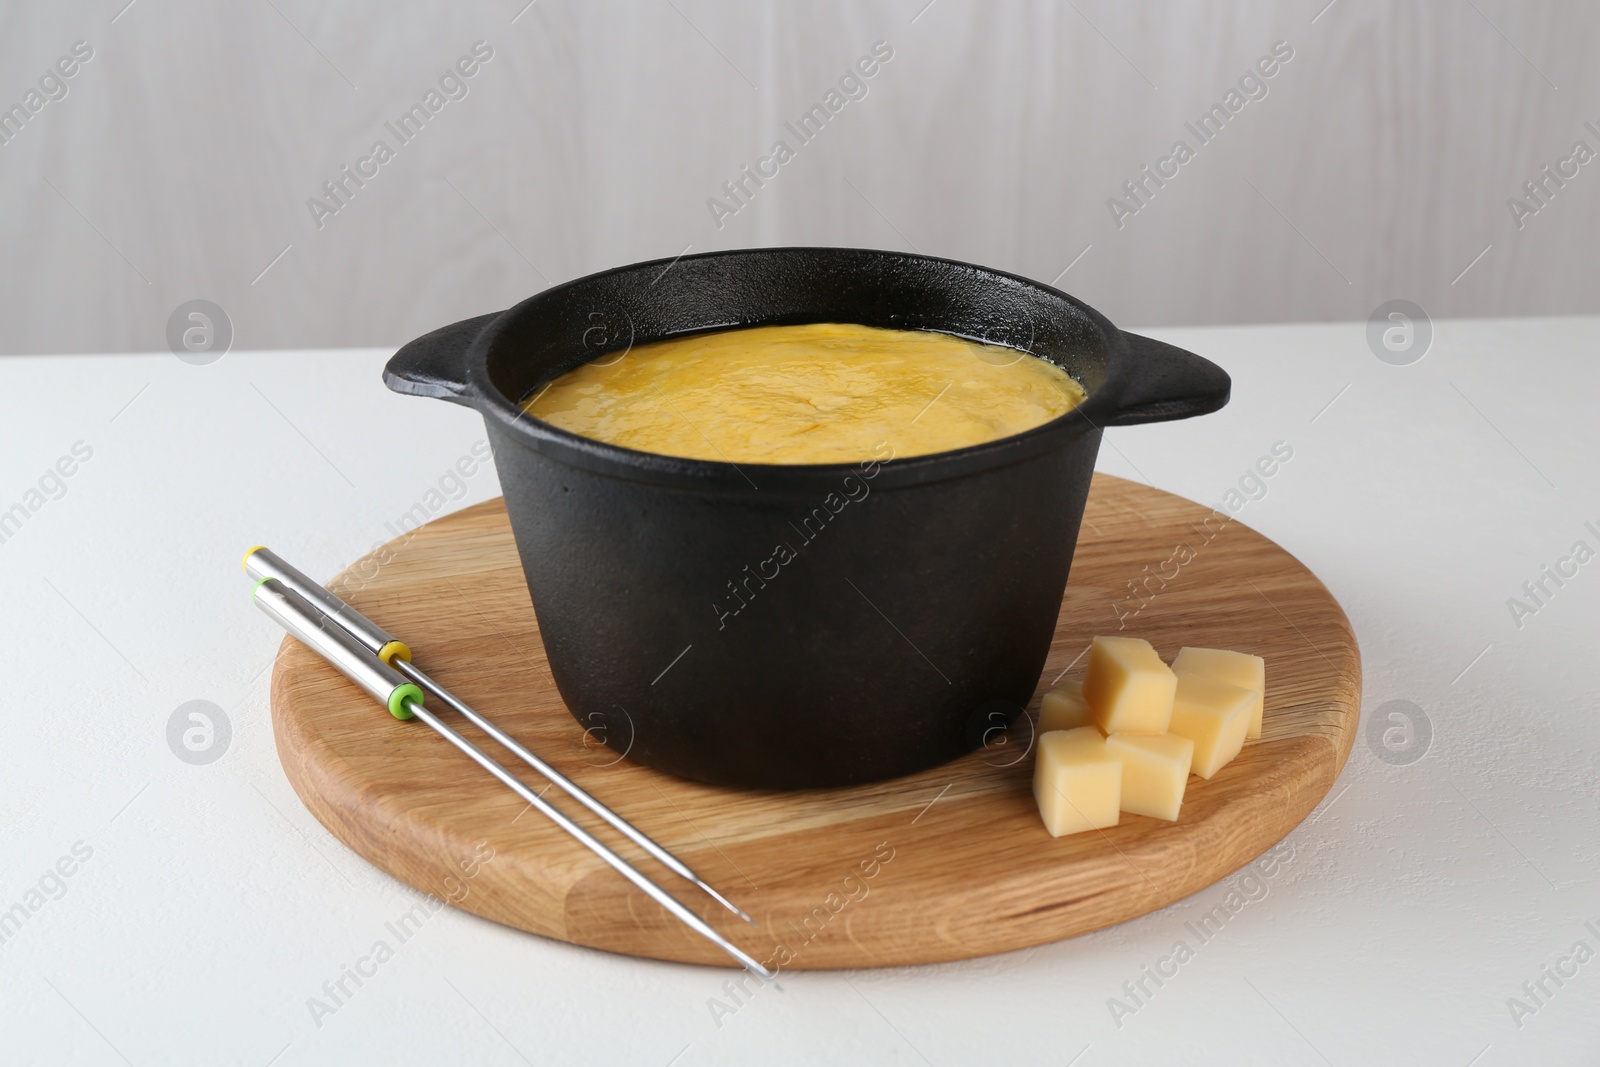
(261, 562)
(404, 699)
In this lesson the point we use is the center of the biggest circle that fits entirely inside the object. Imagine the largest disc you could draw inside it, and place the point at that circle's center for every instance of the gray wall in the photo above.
(180, 161)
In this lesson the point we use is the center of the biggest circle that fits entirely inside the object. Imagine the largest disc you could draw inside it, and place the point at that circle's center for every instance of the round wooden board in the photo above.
(947, 864)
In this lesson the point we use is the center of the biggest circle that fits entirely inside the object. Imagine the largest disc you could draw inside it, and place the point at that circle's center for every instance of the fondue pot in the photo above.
(788, 626)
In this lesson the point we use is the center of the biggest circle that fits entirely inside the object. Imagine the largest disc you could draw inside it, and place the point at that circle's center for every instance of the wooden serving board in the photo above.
(947, 864)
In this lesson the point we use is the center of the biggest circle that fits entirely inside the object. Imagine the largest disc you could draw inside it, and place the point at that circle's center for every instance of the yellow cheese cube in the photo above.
(1215, 716)
(1129, 686)
(1235, 668)
(1077, 782)
(1064, 708)
(1155, 772)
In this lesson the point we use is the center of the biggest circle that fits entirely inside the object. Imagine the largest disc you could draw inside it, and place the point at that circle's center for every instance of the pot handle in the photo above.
(1169, 384)
(435, 364)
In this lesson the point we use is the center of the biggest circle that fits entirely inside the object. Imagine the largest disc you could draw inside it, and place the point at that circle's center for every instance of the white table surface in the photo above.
(1419, 898)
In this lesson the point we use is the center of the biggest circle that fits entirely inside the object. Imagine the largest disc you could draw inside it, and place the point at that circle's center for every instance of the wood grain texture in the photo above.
(947, 864)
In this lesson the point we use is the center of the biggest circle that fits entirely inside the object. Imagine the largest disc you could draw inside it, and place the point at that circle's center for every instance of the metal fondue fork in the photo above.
(378, 663)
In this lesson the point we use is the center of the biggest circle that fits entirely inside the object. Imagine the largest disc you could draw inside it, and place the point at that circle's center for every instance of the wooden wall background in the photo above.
(179, 163)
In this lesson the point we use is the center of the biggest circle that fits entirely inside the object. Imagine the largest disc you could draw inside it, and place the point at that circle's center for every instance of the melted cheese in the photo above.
(822, 393)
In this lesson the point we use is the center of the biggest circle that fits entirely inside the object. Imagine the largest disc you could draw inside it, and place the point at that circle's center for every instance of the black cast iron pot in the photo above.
(774, 626)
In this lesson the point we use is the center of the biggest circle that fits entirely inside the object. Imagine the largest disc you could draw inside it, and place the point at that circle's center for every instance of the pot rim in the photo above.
(1101, 407)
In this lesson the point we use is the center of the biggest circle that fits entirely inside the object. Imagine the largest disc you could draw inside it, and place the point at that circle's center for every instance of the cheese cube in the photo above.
(1235, 668)
(1215, 716)
(1077, 782)
(1128, 686)
(1064, 708)
(1155, 771)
